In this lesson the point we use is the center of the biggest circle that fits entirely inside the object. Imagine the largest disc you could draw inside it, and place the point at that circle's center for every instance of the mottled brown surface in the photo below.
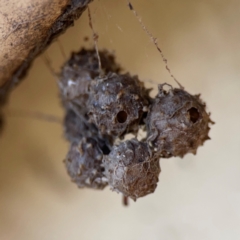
(131, 169)
(75, 128)
(83, 163)
(177, 123)
(117, 104)
(27, 28)
(78, 73)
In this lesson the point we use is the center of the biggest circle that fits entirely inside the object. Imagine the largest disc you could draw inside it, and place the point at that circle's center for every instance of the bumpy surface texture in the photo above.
(117, 104)
(131, 169)
(100, 110)
(177, 123)
(83, 163)
(77, 127)
(77, 74)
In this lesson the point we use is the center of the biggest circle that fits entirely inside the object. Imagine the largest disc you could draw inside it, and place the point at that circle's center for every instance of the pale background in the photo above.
(198, 197)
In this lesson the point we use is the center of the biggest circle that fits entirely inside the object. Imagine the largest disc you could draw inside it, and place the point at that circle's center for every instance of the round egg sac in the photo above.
(177, 123)
(77, 127)
(77, 74)
(117, 104)
(83, 163)
(131, 169)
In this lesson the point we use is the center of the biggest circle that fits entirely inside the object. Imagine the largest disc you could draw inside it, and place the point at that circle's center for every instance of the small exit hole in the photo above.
(194, 114)
(122, 117)
(105, 149)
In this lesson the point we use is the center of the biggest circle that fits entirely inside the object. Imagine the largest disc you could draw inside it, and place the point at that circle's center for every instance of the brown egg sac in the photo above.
(77, 74)
(76, 127)
(117, 104)
(131, 169)
(177, 123)
(100, 108)
(83, 163)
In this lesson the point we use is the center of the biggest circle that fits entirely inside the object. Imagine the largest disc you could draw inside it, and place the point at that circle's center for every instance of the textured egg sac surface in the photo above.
(117, 104)
(131, 169)
(83, 163)
(177, 123)
(77, 74)
(76, 127)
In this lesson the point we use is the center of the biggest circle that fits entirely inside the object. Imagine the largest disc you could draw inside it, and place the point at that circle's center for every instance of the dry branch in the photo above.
(27, 27)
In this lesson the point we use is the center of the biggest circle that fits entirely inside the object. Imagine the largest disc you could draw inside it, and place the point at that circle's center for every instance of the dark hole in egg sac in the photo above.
(122, 117)
(105, 149)
(194, 114)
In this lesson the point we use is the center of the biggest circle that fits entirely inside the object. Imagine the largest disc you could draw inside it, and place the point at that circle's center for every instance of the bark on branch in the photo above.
(27, 27)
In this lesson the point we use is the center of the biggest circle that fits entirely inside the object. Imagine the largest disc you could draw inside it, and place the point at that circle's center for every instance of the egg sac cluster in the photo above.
(100, 109)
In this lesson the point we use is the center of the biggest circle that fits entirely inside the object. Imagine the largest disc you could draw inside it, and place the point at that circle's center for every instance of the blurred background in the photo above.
(198, 197)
